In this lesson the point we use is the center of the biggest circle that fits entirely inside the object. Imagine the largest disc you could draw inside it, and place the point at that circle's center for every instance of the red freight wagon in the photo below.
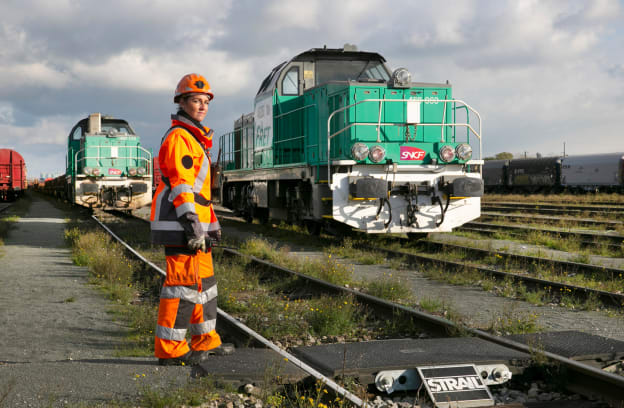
(12, 174)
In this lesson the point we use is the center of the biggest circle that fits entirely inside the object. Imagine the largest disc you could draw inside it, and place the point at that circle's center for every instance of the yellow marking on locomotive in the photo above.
(351, 198)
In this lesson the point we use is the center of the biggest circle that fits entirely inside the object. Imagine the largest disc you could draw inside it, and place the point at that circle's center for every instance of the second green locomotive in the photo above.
(336, 135)
(106, 166)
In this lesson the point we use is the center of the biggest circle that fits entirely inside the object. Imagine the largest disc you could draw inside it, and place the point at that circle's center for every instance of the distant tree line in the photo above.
(500, 156)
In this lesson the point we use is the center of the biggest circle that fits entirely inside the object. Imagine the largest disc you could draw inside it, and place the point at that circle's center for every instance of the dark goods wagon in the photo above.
(12, 174)
(532, 175)
(495, 175)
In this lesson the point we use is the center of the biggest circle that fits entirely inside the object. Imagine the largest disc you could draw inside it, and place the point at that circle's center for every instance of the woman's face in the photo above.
(196, 106)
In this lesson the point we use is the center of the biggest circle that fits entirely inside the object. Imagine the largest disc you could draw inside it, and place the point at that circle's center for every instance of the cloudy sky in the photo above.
(541, 73)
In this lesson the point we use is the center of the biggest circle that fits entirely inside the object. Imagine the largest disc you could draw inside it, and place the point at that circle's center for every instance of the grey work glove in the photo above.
(193, 231)
(197, 244)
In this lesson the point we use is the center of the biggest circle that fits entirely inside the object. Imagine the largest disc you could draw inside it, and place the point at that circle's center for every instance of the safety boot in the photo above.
(184, 359)
(200, 356)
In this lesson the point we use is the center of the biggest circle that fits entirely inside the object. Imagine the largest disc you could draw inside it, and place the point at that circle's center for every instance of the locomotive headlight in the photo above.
(95, 172)
(401, 77)
(87, 171)
(141, 171)
(463, 151)
(447, 153)
(359, 151)
(132, 172)
(377, 154)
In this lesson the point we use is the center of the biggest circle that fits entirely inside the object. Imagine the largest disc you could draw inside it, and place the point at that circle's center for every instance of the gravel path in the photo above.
(58, 343)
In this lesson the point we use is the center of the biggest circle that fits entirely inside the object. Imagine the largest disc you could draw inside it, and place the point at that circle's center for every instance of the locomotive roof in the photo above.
(320, 54)
(314, 54)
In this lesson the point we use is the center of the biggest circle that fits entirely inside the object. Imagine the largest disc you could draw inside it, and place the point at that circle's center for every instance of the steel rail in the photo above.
(600, 208)
(546, 211)
(5, 207)
(617, 239)
(339, 390)
(546, 219)
(587, 269)
(614, 247)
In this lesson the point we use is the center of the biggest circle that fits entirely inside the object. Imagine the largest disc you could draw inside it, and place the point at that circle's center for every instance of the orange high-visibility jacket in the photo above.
(185, 185)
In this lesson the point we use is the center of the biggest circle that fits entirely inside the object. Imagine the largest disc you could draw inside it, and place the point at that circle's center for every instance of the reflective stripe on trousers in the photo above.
(187, 308)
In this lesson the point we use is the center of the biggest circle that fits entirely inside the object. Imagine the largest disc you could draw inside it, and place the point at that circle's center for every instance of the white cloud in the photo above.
(136, 71)
(284, 14)
(14, 77)
(48, 131)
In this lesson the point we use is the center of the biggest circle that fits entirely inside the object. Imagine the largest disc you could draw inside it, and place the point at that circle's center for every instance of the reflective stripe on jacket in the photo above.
(185, 186)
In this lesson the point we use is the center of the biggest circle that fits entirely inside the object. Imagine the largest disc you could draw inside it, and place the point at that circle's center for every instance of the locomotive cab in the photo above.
(336, 135)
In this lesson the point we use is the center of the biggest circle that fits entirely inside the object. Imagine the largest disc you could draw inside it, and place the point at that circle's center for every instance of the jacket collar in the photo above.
(202, 133)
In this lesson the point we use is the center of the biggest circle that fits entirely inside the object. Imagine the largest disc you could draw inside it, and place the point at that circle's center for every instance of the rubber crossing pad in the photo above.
(373, 356)
(250, 365)
(573, 344)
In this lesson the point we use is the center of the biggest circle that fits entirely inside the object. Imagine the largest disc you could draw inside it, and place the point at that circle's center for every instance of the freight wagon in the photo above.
(590, 172)
(532, 175)
(106, 167)
(593, 172)
(12, 175)
(335, 135)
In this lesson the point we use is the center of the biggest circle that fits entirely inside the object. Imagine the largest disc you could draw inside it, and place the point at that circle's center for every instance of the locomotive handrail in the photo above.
(294, 110)
(442, 125)
(147, 159)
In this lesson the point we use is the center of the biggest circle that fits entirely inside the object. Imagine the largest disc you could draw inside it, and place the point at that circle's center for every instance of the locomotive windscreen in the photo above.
(350, 70)
(116, 127)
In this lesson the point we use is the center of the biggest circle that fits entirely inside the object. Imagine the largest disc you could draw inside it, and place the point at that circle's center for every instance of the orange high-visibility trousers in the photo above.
(188, 302)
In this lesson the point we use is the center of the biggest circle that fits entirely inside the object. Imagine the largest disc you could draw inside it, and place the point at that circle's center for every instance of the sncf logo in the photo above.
(412, 153)
(114, 172)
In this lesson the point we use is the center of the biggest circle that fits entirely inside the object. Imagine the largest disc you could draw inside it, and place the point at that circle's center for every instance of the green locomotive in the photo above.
(106, 167)
(336, 135)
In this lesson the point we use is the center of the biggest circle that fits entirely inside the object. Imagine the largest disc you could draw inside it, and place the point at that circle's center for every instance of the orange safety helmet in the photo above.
(192, 83)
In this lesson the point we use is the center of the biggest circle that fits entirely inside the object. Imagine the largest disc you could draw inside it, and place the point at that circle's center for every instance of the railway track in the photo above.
(552, 287)
(552, 209)
(561, 266)
(610, 385)
(4, 206)
(611, 241)
(582, 222)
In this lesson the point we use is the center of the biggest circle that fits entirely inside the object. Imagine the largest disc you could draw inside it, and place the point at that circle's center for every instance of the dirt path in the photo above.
(58, 341)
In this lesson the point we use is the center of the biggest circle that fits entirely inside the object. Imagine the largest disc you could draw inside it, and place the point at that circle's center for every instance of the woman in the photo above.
(183, 220)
